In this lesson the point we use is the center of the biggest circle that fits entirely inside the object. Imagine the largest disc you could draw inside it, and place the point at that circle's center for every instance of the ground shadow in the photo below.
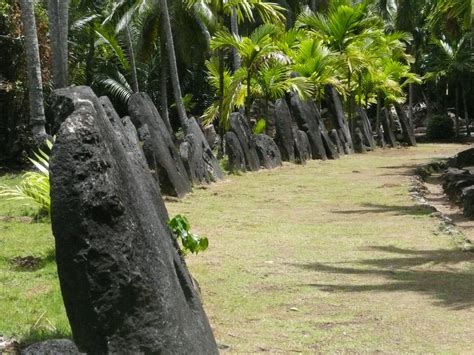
(30, 263)
(435, 273)
(416, 210)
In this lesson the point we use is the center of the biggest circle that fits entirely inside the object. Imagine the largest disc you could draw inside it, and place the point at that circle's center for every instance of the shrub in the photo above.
(440, 127)
(34, 186)
(190, 242)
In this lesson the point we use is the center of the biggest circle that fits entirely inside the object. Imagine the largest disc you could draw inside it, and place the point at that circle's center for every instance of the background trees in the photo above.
(219, 58)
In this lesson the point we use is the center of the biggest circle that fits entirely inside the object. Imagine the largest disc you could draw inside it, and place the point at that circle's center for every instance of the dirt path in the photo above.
(332, 257)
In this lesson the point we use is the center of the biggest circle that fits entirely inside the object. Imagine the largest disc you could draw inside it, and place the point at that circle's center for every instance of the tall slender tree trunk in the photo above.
(234, 28)
(312, 5)
(410, 105)
(466, 113)
(173, 66)
(58, 16)
(131, 58)
(456, 109)
(35, 84)
(378, 130)
(164, 82)
(90, 56)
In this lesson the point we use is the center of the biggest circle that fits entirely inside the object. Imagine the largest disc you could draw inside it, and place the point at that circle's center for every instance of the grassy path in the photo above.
(332, 257)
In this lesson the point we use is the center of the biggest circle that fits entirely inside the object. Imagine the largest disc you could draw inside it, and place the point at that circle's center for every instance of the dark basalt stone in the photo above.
(408, 132)
(306, 115)
(462, 159)
(234, 152)
(200, 162)
(339, 119)
(127, 135)
(302, 147)
(388, 135)
(211, 136)
(52, 347)
(268, 152)
(348, 149)
(240, 126)
(365, 127)
(264, 109)
(169, 165)
(125, 287)
(336, 141)
(284, 131)
(359, 146)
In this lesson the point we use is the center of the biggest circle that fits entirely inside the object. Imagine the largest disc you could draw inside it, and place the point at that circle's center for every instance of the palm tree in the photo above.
(452, 62)
(35, 84)
(58, 14)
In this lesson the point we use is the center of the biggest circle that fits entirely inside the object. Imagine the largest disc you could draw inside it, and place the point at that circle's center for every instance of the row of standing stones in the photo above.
(125, 286)
(458, 181)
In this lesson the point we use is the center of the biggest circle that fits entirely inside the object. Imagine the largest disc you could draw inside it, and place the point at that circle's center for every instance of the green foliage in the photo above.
(260, 126)
(190, 242)
(34, 187)
(440, 127)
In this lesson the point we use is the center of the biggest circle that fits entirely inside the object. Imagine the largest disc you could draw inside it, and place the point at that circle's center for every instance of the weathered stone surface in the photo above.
(331, 149)
(52, 347)
(467, 197)
(336, 141)
(388, 135)
(264, 109)
(268, 152)
(408, 132)
(211, 136)
(284, 131)
(462, 159)
(365, 127)
(234, 152)
(240, 126)
(339, 119)
(199, 160)
(125, 287)
(348, 148)
(308, 119)
(359, 145)
(302, 147)
(127, 135)
(169, 165)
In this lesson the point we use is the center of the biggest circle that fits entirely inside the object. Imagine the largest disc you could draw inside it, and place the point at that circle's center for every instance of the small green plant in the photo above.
(260, 126)
(189, 242)
(34, 186)
(440, 127)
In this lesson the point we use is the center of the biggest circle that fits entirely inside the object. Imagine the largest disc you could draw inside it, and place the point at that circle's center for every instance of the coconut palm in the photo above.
(58, 14)
(451, 62)
(35, 84)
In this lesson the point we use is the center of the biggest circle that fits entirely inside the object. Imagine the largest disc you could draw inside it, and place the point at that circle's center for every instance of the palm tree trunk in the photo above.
(234, 28)
(173, 66)
(63, 16)
(58, 16)
(466, 114)
(410, 105)
(456, 109)
(248, 98)
(35, 84)
(90, 56)
(164, 84)
(131, 58)
(378, 131)
(312, 5)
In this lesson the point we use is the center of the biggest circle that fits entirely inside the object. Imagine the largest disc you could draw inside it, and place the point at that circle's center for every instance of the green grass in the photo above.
(31, 307)
(329, 257)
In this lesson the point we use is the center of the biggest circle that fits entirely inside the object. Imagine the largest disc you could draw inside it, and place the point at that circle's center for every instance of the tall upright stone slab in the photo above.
(240, 126)
(359, 145)
(302, 146)
(408, 132)
(365, 127)
(199, 160)
(336, 141)
(339, 119)
(305, 115)
(235, 153)
(127, 135)
(388, 134)
(171, 170)
(284, 131)
(268, 152)
(125, 287)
